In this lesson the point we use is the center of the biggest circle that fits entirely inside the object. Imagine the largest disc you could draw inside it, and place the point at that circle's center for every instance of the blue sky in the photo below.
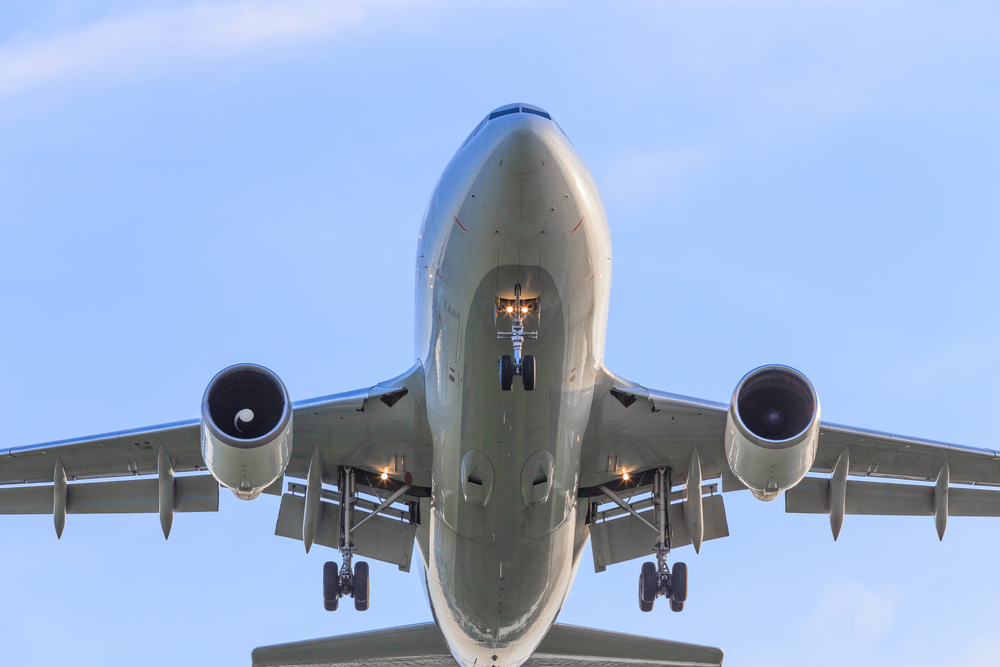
(185, 186)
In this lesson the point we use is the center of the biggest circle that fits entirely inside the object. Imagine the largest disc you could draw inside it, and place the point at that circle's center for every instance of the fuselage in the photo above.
(515, 206)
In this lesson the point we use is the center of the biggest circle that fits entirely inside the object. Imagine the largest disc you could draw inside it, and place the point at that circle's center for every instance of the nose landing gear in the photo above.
(517, 365)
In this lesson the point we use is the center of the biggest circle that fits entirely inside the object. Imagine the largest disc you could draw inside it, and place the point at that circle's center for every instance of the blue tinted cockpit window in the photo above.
(543, 114)
(503, 112)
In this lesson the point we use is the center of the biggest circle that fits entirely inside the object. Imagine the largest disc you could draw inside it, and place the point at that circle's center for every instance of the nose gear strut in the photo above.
(518, 365)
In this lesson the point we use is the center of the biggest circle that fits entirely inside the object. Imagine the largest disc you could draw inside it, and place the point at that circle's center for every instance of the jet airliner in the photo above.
(507, 445)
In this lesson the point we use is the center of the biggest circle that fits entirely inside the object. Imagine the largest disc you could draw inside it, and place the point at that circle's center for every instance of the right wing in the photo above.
(379, 428)
(423, 645)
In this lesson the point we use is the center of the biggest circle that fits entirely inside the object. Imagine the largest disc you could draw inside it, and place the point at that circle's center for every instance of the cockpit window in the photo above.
(509, 110)
(475, 131)
(543, 114)
(503, 112)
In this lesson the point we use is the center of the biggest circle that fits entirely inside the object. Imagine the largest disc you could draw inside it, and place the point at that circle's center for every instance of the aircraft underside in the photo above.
(507, 445)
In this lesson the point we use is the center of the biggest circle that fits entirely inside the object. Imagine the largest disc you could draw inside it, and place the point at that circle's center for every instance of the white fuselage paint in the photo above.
(516, 204)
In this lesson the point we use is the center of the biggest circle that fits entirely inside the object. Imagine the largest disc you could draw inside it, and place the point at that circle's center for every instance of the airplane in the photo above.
(507, 445)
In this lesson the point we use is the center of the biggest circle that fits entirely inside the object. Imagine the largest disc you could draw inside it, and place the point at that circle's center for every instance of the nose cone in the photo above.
(522, 151)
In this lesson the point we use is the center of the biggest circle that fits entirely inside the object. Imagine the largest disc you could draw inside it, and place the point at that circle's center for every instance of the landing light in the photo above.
(385, 476)
(510, 309)
(624, 476)
(524, 309)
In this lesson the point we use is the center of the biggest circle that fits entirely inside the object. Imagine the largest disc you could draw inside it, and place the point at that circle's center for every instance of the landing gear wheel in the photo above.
(361, 591)
(648, 585)
(331, 586)
(506, 372)
(528, 372)
(679, 584)
(676, 606)
(645, 606)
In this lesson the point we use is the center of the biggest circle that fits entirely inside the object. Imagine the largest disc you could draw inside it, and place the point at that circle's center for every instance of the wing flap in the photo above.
(193, 493)
(812, 496)
(387, 540)
(627, 538)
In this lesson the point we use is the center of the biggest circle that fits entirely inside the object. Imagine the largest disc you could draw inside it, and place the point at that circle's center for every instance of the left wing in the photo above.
(635, 430)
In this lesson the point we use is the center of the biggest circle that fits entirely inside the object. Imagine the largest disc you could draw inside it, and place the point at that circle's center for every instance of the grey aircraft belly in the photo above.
(507, 445)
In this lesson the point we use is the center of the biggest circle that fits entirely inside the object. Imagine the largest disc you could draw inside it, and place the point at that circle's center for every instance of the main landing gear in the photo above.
(516, 365)
(656, 579)
(353, 583)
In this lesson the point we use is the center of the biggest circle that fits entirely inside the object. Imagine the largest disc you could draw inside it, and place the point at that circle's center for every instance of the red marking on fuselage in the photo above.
(460, 224)
(439, 275)
(578, 224)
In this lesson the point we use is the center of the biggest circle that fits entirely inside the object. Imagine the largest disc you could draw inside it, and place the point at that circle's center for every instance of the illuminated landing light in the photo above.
(524, 309)
(385, 476)
(624, 476)
(510, 309)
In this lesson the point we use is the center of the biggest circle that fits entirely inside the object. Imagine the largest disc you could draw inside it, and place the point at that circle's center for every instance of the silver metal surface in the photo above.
(625, 506)
(941, 501)
(769, 466)
(246, 465)
(165, 492)
(516, 217)
(398, 493)
(838, 493)
(314, 487)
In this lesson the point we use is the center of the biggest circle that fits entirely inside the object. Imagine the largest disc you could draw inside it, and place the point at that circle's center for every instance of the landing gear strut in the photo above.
(509, 367)
(353, 583)
(656, 579)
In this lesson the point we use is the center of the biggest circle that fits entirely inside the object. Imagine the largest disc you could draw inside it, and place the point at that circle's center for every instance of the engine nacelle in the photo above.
(246, 429)
(772, 430)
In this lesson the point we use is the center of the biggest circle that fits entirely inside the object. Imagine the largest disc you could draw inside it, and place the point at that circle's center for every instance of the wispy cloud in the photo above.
(126, 47)
(851, 604)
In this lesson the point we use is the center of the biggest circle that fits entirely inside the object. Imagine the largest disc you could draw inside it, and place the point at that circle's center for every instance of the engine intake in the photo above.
(772, 430)
(246, 429)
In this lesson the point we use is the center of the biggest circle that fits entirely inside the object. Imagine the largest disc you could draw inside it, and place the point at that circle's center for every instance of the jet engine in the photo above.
(246, 429)
(772, 430)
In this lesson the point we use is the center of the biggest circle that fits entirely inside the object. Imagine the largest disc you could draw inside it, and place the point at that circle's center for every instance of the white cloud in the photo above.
(151, 42)
(869, 613)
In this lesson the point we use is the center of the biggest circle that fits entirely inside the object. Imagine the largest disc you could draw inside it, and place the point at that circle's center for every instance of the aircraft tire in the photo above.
(645, 606)
(361, 588)
(676, 606)
(679, 583)
(648, 584)
(528, 372)
(331, 586)
(506, 372)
